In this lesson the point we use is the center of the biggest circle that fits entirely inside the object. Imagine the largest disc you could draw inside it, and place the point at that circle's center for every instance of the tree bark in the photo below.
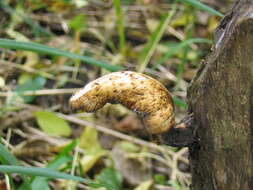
(221, 98)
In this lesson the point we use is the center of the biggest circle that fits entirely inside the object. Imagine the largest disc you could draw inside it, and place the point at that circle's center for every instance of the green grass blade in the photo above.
(37, 28)
(120, 25)
(42, 49)
(44, 172)
(7, 156)
(41, 183)
(199, 5)
(63, 154)
(180, 103)
(181, 45)
(154, 39)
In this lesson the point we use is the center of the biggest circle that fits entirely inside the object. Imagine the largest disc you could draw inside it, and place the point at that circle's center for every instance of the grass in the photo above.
(199, 5)
(120, 25)
(35, 171)
(42, 49)
(154, 39)
(38, 30)
(138, 49)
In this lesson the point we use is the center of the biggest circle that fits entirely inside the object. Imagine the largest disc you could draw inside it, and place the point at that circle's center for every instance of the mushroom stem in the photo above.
(181, 134)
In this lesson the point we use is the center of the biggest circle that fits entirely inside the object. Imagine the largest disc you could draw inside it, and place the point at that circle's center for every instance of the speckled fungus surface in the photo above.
(138, 92)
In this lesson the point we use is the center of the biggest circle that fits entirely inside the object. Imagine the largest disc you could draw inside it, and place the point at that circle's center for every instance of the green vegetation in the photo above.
(50, 48)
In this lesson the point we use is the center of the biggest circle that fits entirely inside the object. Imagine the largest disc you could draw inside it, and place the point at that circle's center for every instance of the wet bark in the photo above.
(221, 98)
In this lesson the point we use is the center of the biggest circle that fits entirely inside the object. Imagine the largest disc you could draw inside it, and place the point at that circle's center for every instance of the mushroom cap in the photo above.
(138, 92)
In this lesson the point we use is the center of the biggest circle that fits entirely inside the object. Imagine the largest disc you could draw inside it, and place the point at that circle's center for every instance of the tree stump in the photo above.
(221, 98)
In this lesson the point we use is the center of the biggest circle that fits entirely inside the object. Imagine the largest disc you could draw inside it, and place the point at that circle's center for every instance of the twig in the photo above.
(117, 134)
(27, 69)
(38, 134)
(35, 71)
(43, 92)
(113, 133)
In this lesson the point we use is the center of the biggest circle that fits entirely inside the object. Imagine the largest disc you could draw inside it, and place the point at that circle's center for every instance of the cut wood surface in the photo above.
(221, 98)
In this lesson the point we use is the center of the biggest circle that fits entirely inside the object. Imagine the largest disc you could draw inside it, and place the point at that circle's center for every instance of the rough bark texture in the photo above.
(221, 98)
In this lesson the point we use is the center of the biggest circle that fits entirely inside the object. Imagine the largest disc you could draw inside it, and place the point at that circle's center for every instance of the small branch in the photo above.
(117, 134)
(35, 71)
(43, 92)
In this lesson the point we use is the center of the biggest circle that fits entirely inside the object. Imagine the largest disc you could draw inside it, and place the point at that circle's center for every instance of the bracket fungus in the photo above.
(138, 92)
